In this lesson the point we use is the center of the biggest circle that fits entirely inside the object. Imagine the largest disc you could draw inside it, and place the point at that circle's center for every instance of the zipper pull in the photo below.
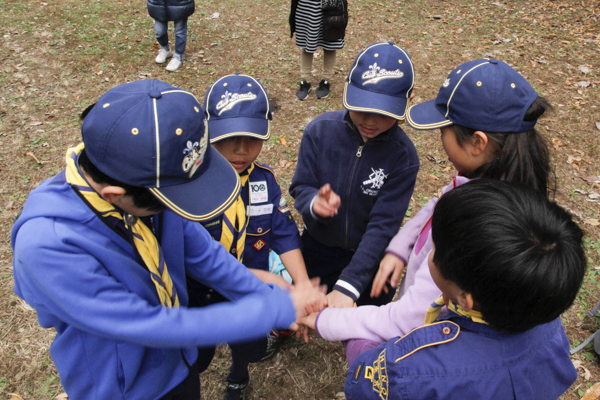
(359, 151)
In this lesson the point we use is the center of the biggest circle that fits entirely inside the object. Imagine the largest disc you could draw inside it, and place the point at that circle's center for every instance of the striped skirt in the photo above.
(309, 27)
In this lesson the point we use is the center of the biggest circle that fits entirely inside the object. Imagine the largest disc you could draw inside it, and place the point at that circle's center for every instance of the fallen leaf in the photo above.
(287, 164)
(587, 375)
(598, 125)
(584, 69)
(428, 66)
(435, 178)
(557, 143)
(573, 159)
(592, 393)
(283, 141)
(592, 221)
(582, 83)
(215, 15)
(36, 123)
(9, 205)
(63, 395)
(14, 396)
(282, 162)
(577, 363)
(30, 154)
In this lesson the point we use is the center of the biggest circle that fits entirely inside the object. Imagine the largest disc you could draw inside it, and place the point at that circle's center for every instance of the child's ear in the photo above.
(465, 300)
(480, 142)
(112, 194)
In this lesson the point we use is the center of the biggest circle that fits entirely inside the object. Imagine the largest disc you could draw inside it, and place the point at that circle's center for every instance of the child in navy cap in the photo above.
(355, 176)
(480, 93)
(508, 262)
(102, 250)
(238, 120)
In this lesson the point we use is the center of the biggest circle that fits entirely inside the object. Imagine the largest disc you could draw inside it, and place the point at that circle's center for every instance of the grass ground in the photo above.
(58, 57)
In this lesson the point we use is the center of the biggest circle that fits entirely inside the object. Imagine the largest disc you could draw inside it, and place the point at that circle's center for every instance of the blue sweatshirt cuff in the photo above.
(347, 289)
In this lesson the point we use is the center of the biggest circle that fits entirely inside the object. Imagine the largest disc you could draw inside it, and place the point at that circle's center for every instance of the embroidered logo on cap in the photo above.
(259, 244)
(446, 83)
(231, 99)
(376, 74)
(194, 154)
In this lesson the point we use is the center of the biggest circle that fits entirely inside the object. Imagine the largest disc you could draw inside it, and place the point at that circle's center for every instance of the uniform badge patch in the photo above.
(283, 205)
(377, 374)
(259, 244)
(259, 192)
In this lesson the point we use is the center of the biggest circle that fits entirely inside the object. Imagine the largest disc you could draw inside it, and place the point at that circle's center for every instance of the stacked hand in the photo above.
(389, 265)
(308, 298)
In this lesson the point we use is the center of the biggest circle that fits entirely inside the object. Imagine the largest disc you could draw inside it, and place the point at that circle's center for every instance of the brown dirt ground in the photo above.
(58, 57)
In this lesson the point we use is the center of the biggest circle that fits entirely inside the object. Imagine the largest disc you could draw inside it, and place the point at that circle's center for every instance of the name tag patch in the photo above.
(259, 192)
(253, 211)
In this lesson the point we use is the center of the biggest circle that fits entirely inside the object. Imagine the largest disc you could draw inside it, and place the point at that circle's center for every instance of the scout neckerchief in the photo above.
(143, 238)
(434, 310)
(233, 232)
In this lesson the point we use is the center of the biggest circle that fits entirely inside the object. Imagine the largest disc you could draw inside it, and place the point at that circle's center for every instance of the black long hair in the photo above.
(521, 156)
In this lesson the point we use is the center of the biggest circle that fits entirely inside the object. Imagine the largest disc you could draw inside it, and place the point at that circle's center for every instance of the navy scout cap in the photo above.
(151, 134)
(237, 105)
(380, 81)
(483, 94)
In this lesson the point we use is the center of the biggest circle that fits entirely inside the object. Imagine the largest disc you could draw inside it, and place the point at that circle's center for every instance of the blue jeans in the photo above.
(160, 32)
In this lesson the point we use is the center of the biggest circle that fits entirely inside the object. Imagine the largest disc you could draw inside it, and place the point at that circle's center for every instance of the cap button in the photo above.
(492, 61)
(392, 43)
(155, 94)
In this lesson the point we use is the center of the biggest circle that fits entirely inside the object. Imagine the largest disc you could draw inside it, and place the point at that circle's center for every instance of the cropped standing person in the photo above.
(164, 11)
(318, 23)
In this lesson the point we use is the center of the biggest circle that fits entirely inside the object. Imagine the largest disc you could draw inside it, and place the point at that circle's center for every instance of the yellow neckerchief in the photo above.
(143, 238)
(434, 310)
(230, 231)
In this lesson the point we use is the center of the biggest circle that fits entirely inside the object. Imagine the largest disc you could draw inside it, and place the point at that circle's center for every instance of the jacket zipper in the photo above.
(358, 155)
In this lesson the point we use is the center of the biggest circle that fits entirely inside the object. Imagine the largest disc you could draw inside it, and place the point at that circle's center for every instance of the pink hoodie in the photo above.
(417, 291)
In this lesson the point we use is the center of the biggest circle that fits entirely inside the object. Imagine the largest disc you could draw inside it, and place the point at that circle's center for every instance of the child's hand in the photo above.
(306, 324)
(390, 265)
(316, 298)
(337, 299)
(268, 277)
(327, 202)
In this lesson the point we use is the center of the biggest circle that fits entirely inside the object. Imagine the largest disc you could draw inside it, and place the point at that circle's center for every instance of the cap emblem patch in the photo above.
(194, 155)
(231, 99)
(446, 83)
(376, 74)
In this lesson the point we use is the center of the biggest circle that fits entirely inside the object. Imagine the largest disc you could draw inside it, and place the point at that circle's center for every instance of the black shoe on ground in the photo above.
(236, 390)
(274, 342)
(323, 89)
(302, 93)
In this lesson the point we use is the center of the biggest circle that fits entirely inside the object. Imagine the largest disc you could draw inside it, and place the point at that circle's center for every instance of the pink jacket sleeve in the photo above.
(402, 244)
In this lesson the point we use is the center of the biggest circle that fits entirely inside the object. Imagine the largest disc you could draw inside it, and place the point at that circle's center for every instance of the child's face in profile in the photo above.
(240, 151)
(459, 154)
(449, 289)
(371, 125)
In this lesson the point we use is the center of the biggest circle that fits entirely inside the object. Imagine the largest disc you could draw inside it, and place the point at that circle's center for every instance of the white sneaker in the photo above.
(173, 64)
(163, 55)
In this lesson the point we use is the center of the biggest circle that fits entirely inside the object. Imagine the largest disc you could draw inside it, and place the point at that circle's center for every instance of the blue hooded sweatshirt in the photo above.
(114, 340)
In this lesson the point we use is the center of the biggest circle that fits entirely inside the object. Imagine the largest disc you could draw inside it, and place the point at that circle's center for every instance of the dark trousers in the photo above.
(189, 389)
(328, 262)
(242, 354)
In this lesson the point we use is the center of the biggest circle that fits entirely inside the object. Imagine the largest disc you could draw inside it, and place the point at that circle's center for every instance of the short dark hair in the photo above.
(519, 255)
(142, 197)
(522, 156)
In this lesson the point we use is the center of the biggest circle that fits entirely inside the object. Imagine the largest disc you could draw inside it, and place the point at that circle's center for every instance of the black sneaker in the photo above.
(236, 390)
(302, 93)
(274, 342)
(323, 89)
